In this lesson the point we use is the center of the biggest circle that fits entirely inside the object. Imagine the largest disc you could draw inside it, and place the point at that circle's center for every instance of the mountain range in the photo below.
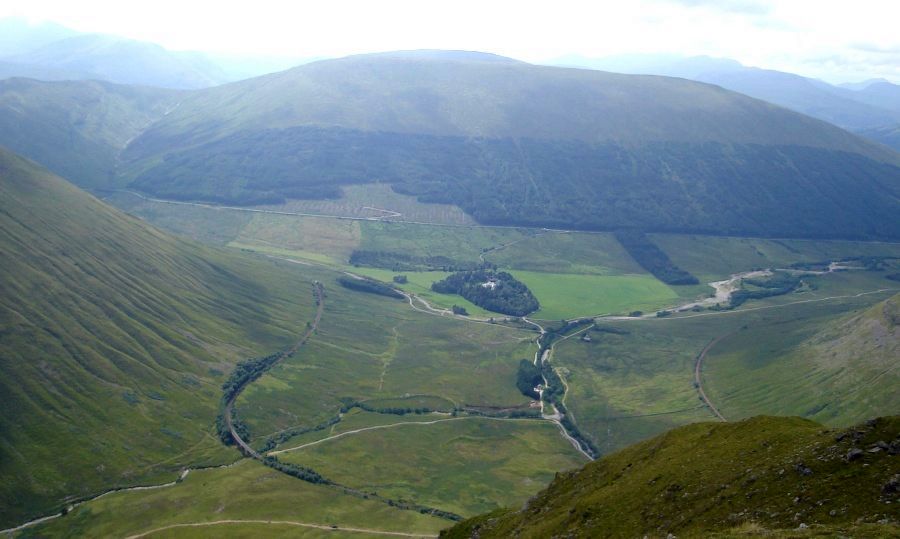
(511, 143)
(868, 108)
(124, 349)
(51, 52)
(518, 144)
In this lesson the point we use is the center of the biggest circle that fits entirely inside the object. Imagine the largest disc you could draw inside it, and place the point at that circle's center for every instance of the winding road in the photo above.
(698, 366)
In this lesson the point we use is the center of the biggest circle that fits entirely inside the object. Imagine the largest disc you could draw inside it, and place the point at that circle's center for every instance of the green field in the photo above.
(438, 404)
(358, 419)
(458, 243)
(378, 200)
(369, 347)
(571, 274)
(566, 252)
(572, 296)
(711, 258)
(632, 380)
(245, 491)
(464, 465)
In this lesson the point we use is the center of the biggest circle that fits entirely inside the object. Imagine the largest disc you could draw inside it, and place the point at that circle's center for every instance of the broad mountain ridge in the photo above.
(508, 142)
(519, 144)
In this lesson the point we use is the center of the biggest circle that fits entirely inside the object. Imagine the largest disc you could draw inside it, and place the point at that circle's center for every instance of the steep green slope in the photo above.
(513, 143)
(77, 129)
(835, 371)
(694, 481)
(114, 340)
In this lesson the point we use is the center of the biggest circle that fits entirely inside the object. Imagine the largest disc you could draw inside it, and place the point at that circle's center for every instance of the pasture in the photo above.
(245, 491)
(466, 465)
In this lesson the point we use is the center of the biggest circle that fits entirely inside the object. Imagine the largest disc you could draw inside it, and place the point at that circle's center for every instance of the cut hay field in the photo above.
(378, 200)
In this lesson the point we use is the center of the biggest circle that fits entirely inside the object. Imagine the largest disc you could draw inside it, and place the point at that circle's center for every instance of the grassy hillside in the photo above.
(762, 473)
(114, 340)
(635, 379)
(267, 501)
(513, 143)
(77, 129)
(477, 96)
(841, 369)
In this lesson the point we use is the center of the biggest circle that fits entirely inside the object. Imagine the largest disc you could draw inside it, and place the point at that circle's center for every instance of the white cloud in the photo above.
(786, 34)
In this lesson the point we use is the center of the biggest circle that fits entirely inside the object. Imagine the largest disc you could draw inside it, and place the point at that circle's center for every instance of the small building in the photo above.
(491, 283)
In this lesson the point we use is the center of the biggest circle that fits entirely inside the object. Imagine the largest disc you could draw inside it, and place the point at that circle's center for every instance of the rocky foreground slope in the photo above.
(770, 476)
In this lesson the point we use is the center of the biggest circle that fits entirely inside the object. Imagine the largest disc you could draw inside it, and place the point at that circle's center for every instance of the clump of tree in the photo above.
(528, 377)
(777, 284)
(300, 472)
(496, 291)
(370, 286)
(400, 279)
(653, 259)
(394, 261)
(245, 372)
(459, 310)
(610, 329)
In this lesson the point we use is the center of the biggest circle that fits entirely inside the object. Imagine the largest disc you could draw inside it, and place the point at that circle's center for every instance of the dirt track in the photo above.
(699, 383)
(277, 523)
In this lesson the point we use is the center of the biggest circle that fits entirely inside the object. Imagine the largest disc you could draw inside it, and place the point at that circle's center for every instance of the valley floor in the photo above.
(410, 406)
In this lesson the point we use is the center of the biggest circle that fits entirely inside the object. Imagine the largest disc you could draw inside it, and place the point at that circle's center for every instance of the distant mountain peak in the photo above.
(864, 84)
(443, 55)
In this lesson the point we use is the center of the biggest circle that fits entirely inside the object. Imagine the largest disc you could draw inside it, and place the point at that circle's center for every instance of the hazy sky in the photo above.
(834, 40)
